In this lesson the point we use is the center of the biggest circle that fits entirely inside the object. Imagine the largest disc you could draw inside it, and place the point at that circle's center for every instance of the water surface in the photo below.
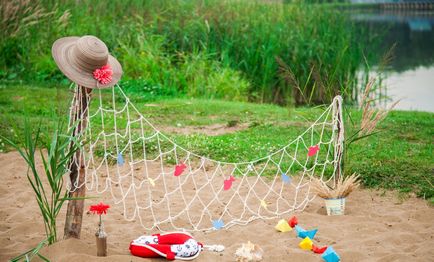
(410, 74)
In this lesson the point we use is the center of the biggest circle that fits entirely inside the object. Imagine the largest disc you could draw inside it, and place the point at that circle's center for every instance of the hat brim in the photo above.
(62, 55)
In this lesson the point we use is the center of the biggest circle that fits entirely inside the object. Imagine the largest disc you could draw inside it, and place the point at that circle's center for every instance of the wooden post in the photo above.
(339, 141)
(78, 120)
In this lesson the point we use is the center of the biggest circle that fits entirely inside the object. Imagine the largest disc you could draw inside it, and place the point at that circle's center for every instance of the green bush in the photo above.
(201, 76)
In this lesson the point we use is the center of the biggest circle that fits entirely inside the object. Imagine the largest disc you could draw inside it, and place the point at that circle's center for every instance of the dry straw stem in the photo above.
(371, 116)
(342, 189)
(18, 15)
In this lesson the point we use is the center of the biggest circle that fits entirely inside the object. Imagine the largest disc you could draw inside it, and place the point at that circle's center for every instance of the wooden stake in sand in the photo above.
(78, 121)
(87, 62)
(339, 140)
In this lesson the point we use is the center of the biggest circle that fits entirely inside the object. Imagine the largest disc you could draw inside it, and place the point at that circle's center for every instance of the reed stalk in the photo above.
(47, 184)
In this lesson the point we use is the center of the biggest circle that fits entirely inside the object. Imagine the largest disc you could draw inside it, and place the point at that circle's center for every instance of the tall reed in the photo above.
(51, 197)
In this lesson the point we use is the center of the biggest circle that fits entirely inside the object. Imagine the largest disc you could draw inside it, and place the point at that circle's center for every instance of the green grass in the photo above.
(239, 50)
(400, 157)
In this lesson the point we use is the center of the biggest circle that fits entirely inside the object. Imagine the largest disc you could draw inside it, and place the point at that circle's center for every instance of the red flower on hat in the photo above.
(99, 209)
(103, 74)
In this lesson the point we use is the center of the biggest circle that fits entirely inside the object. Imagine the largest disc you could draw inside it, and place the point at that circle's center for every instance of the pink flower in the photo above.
(103, 74)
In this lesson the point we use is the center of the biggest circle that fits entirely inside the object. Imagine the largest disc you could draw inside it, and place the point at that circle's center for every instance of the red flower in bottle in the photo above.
(101, 235)
(99, 209)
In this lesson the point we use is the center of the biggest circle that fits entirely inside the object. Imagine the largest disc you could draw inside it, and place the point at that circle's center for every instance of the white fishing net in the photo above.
(165, 186)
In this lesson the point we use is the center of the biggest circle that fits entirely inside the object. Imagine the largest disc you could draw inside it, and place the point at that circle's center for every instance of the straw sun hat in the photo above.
(86, 61)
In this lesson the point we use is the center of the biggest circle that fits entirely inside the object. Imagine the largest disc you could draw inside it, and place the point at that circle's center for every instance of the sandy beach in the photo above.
(377, 226)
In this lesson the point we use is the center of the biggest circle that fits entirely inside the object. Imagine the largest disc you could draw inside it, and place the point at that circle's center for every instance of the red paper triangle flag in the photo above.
(293, 221)
(179, 169)
(319, 250)
(313, 150)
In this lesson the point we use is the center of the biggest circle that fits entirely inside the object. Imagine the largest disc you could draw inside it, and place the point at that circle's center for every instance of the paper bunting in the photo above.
(330, 255)
(283, 226)
(218, 224)
(318, 250)
(302, 233)
(313, 150)
(179, 169)
(306, 244)
(308, 233)
(264, 204)
(293, 221)
(286, 179)
(299, 229)
(120, 159)
(151, 181)
(227, 184)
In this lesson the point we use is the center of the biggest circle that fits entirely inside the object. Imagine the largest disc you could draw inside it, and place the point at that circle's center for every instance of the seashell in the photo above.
(248, 252)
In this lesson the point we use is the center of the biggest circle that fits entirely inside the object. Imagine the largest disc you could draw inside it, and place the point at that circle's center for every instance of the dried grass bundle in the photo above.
(342, 188)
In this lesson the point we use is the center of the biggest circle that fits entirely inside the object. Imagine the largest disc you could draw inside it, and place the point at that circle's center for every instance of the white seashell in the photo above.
(248, 252)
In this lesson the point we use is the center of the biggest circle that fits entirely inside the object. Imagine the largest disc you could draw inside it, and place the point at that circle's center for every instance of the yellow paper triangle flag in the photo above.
(263, 204)
(283, 226)
(151, 181)
(306, 244)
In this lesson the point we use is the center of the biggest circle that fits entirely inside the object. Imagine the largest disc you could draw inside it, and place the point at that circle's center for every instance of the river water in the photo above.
(410, 74)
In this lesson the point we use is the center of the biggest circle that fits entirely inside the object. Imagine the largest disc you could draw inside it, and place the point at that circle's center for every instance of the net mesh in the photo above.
(165, 186)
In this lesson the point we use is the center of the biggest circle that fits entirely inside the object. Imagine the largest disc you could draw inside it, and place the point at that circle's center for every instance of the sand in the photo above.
(377, 226)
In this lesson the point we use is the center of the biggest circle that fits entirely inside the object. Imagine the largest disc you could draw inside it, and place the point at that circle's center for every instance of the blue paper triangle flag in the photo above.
(302, 233)
(218, 224)
(286, 179)
(299, 230)
(308, 233)
(120, 159)
(330, 255)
